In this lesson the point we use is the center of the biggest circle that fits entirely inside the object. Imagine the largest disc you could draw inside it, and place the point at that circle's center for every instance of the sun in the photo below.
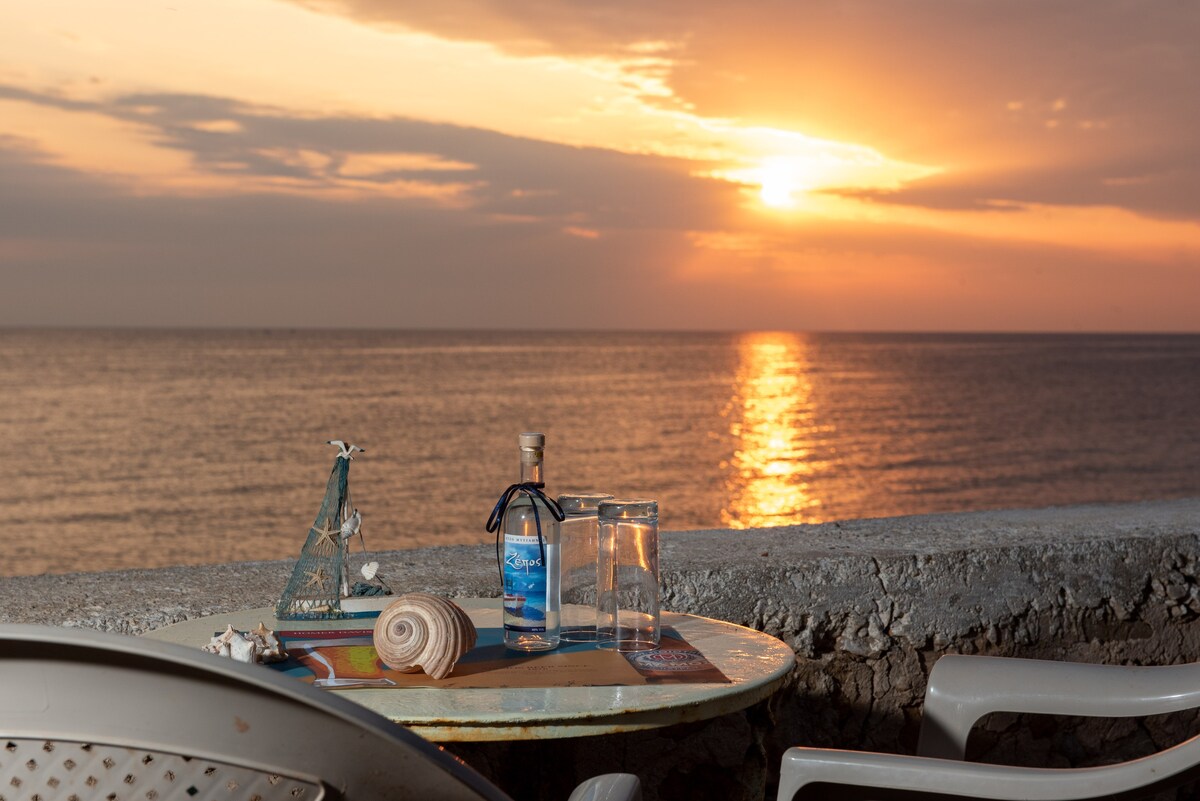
(783, 179)
(780, 180)
(777, 189)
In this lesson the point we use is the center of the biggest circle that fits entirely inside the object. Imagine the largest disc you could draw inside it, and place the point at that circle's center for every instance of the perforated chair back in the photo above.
(86, 715)
(36, 768)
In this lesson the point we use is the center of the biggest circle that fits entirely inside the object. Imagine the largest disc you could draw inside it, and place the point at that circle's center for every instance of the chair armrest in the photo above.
(609, 787)
(962, 689)
(843, 775)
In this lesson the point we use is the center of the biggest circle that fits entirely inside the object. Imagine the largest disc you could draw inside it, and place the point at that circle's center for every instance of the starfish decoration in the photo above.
(328, 539)
(316, 578)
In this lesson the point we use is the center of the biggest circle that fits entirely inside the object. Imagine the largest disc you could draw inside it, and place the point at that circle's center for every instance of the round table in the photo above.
(756, 664)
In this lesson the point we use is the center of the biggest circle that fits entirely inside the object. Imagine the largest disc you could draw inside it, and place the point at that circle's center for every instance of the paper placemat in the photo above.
(346, 659)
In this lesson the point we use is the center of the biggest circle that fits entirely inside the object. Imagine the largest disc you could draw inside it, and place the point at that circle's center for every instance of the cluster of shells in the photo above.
(258, 645)
(421, 631)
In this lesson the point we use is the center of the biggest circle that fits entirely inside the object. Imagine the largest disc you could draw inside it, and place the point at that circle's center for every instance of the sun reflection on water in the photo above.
(775, 433)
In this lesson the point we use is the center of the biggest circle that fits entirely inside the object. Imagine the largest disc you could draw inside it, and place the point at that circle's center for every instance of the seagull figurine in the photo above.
(346, 450)
(350, 527)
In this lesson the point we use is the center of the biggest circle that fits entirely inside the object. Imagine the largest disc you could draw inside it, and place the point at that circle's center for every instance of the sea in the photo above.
(148, 448)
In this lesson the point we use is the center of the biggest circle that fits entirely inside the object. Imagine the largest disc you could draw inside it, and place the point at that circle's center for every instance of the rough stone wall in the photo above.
(867, 605)
(872, 605)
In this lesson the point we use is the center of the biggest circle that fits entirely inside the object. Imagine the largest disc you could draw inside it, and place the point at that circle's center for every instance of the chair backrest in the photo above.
(962, 689)
(88, 715)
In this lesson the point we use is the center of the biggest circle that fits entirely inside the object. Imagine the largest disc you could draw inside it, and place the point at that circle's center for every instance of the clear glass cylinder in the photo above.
(628, 603)
(579, 551)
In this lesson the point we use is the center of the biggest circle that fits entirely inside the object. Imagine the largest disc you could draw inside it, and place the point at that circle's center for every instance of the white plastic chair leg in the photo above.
(609, 787)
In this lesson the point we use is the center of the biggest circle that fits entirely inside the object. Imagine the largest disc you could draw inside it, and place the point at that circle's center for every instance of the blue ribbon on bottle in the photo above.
(533, 491)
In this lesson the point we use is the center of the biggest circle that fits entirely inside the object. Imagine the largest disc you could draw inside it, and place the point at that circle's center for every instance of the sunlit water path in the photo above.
(149, 448)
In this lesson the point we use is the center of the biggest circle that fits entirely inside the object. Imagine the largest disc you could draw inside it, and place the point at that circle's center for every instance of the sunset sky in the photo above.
(865, 165)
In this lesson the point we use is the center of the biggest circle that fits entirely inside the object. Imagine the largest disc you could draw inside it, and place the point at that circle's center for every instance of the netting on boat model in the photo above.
(314, 589)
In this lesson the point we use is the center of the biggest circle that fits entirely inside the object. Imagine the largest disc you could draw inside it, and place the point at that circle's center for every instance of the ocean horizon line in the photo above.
(834, 332)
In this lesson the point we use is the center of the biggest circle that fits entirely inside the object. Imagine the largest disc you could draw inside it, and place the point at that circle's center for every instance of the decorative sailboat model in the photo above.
(320, 580)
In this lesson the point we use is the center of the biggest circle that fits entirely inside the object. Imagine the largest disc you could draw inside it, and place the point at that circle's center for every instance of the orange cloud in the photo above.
(791, 165)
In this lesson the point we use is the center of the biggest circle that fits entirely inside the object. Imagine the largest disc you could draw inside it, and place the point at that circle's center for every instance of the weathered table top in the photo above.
(755, 663)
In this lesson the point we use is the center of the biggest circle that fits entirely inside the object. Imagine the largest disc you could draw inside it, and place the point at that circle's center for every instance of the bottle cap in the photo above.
(531, 440)
(578, 503)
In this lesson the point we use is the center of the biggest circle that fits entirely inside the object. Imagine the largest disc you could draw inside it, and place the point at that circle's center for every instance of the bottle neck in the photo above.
(531, 467)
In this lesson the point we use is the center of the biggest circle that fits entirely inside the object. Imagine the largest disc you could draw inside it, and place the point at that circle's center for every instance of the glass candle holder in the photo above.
(579, 549)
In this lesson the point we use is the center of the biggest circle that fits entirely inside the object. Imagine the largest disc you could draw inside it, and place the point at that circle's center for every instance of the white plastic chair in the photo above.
(963, 689)
(86, 715)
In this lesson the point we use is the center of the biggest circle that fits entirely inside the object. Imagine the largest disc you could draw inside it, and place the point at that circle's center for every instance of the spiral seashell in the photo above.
(423, 631)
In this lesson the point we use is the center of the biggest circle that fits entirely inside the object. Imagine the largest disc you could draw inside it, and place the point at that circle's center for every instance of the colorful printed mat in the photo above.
(346, 658)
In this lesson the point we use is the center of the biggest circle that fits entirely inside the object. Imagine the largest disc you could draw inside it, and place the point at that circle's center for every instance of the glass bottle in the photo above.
(531, 583)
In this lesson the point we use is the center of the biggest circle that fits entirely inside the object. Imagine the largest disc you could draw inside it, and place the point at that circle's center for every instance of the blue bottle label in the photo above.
(524, 584)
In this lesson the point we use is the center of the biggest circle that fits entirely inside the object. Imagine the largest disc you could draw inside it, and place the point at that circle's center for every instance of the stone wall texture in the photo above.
(867, 605)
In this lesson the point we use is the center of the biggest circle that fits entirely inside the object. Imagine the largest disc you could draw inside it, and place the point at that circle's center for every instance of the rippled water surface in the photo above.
(149, 448)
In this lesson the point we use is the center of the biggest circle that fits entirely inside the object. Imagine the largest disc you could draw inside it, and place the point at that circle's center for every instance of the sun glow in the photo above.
(777, 190)
(781, 179)
(792, 165)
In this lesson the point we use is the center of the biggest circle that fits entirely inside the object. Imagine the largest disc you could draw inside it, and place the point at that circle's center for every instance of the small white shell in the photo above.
(369, 570)
(242, 648)
(351, 526)
(233, 645)
(423, 631)
(259, 645)
(269, 647)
